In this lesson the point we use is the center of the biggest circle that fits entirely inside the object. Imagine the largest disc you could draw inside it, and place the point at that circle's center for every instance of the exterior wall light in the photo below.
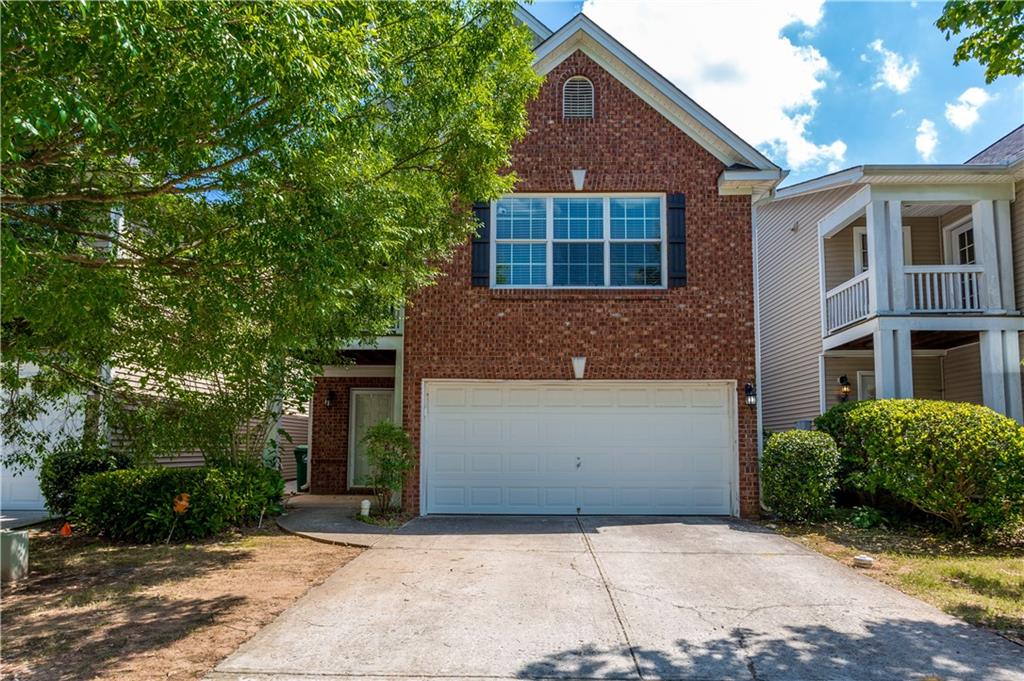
(579, 365)
(750, 395)
(329, 400)
(844, 388)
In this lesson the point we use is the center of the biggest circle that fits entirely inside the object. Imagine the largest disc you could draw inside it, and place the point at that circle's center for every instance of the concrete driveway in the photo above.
(610, 598)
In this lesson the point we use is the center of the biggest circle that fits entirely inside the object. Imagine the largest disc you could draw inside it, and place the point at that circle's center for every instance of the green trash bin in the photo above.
(301, 466)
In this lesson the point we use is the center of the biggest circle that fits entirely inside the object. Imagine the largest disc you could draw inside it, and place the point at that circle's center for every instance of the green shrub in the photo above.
(866, 517)
(138, 505)
(389, 452)
(960, 462)
(62, 469)
(798, 473)
(836, 422)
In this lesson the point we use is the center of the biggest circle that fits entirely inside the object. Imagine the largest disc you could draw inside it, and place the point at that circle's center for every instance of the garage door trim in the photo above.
(731, 413)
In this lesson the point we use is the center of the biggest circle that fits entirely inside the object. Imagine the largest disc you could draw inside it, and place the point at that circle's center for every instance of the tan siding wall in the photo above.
(1017, 236)
(927, 376)
(297, 426)
(839, 257)
(925, 240)
(790, 305)
(925, 247)
(962, 370)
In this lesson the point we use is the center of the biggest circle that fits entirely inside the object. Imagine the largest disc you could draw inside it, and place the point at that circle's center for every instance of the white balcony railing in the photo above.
(945, 288)
(847, 303)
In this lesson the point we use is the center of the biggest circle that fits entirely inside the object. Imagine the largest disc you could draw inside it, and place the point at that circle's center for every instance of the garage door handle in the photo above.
(578, 462)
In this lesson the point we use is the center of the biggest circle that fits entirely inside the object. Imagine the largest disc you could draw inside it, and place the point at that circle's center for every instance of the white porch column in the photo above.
(896, 262)
(1004, 244)
(986, 245)
(894, 376)
(879, 259)
(1000, 372)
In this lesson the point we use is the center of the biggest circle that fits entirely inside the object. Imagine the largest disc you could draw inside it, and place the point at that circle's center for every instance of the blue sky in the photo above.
(817, 85)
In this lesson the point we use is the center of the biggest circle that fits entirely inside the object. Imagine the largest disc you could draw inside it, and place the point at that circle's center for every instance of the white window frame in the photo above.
(862, 385)
(951, 249)
(858, 253)
(606, 239)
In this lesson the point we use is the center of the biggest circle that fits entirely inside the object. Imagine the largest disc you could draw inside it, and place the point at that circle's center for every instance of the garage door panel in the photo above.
(531, 447)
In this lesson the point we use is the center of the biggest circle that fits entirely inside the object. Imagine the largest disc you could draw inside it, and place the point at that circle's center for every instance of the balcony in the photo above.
(930, 289)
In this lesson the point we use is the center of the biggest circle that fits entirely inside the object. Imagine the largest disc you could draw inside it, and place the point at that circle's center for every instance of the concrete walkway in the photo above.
(329, 518)
(610, 598)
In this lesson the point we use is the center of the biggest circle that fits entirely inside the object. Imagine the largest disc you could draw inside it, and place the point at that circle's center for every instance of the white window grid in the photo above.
(606, 240)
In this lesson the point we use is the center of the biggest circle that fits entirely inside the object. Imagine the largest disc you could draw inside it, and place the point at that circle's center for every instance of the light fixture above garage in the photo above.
(579, 365)
(750, 395)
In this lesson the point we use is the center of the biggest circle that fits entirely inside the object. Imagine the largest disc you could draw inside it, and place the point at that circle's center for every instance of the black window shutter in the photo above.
(676, 204)
(482, 245)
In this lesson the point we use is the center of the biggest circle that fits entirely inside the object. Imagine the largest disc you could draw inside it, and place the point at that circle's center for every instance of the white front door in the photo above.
(368, 407)
(587, 447)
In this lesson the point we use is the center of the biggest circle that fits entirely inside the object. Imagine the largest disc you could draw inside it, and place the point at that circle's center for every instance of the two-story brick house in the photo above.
(592, 349)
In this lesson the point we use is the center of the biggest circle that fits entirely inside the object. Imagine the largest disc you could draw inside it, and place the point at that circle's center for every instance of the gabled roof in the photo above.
(582, 34)
(535, 25)
(1005, 150)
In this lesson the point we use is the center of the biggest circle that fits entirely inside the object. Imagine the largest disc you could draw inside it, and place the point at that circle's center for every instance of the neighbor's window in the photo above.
(578, 98)
(579, 242)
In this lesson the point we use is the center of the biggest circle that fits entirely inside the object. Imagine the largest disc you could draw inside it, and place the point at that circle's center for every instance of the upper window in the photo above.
(579, 242)
(578, 98)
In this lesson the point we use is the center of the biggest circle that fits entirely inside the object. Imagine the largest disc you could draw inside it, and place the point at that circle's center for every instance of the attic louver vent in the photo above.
(578, 98)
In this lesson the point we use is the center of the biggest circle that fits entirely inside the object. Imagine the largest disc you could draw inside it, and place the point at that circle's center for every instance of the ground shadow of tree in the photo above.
(97, 609)
(889, 650)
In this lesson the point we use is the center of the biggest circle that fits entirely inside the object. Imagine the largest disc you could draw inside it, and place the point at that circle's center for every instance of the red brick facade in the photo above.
(329, 464)
(702, 331)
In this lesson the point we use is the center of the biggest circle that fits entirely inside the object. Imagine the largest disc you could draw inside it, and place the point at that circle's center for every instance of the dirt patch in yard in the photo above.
(91, 609)
(979, 583)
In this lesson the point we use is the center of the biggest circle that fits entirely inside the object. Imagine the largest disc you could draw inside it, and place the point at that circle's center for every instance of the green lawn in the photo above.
(983, 585)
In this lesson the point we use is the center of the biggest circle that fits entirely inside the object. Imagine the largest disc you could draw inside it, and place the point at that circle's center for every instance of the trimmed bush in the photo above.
(390, 453)
(836, 422)
(145, 504)
(798, 474)
(959, 462)
(61, 471)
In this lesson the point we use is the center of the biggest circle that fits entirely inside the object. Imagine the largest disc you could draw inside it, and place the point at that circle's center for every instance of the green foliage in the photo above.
(215, 195)
(866, 517)
(836, 422)
(390, 453)
(137, 505)
(995, 34)
(798, 474)
(61, 471)
(960, 462)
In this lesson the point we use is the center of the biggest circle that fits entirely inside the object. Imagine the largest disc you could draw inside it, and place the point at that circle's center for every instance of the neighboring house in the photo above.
(900, 281)
(589, 351)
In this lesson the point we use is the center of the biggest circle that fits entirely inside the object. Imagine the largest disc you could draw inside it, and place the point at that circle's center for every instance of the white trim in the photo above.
(581, 33)
(822, 398)
(535, 25)
(359, 371)
(349, 464)
(858, 253)
(886, 174)
(732, 406)
(860, 354)
(845, 213)
(606, 240)
(861, 376)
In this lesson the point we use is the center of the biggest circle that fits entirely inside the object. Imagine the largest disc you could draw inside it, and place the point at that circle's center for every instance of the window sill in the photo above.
(579, 293)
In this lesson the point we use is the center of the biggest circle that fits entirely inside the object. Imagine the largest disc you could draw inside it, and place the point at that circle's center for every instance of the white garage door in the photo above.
(616, 447)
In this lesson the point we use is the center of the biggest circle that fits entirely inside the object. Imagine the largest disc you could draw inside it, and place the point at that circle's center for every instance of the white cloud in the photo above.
(927, 139)
(768, 99)
(894, 72)
(897, 112)
(964, 113)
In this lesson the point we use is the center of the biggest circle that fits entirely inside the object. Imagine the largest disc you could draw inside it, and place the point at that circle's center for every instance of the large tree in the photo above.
(995, 34)
(217, 193)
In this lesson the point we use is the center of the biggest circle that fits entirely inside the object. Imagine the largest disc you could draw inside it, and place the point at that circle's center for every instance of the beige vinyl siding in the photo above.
(925, 248)
(962, 370)
(297, 426)
(927, 376)
(1017, 238)
(790, 304)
